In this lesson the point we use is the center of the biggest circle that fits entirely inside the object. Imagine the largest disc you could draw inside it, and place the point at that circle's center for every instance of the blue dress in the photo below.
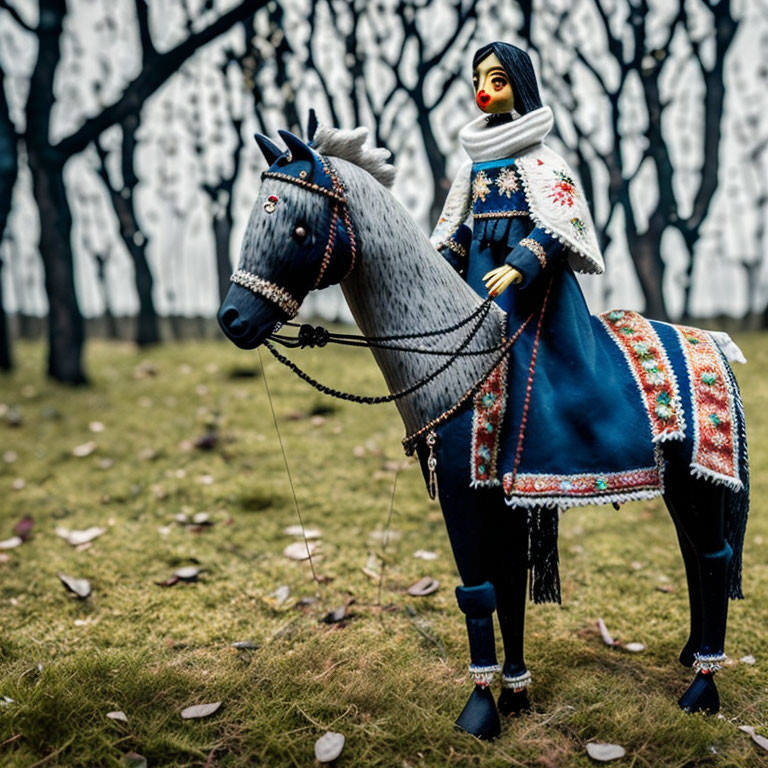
(584, 399)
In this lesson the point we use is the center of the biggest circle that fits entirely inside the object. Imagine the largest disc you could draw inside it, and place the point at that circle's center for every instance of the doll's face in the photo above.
(493, 91)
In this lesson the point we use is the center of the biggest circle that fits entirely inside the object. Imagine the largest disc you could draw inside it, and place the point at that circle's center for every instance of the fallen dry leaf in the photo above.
(328, 747)
(134, 760)
(424, 554)
(423, 587)
(245, 645)
(80, 587)
(605, 752)
(200, 710)
(118, 715)
(300, 550)
(12, 543)
(76, 538)
(86, 449)
(605, 634)
(341, 613)
(187, 573)
(297, 530)
(23, 529)
(633, 647)
(277, 598)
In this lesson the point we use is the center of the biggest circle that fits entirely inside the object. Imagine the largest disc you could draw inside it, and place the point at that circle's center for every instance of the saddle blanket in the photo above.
(670, 384)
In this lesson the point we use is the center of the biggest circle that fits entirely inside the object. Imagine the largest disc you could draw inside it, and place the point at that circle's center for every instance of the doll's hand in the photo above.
(499, 279)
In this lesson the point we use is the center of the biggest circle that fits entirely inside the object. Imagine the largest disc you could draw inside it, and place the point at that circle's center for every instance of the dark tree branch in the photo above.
(464, 15)
(148, 51)
(151, 77)
(5, 5)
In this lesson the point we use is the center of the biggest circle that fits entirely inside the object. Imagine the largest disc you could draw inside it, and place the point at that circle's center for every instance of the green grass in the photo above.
(392, 679)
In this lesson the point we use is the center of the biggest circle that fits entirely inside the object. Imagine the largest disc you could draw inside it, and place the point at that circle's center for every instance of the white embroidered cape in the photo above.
(553, 192)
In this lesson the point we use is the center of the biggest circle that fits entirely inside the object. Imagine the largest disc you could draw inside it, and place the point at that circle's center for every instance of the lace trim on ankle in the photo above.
(516, 682)
(483, 676)
(708, 664)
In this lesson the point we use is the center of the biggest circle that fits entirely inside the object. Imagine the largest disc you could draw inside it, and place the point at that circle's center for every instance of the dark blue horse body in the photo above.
(465, 396)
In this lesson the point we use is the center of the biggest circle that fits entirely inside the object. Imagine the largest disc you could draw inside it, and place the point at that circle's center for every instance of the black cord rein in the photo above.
(318, 336)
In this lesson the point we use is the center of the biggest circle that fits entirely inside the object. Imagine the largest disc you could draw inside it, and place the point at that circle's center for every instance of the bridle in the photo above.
(309, 336)
(339, 212)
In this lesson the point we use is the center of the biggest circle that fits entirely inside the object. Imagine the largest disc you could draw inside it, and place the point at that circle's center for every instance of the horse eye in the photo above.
(300, 233)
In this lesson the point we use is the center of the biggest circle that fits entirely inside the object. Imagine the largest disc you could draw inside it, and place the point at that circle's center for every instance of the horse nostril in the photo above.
(231, 320)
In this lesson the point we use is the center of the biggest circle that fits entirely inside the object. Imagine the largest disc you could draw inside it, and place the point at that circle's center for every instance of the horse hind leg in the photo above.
(699, 507)
(693, 579)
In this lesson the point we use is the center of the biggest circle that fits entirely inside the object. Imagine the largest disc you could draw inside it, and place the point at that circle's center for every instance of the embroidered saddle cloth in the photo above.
(597, 416)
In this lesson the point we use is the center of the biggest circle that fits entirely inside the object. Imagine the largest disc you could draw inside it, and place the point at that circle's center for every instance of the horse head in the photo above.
(299, 237)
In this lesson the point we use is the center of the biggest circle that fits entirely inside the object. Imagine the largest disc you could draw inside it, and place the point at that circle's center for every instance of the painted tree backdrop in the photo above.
(127, 170)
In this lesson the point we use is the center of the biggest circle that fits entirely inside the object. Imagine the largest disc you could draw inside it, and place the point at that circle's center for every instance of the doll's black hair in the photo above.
(519, 68)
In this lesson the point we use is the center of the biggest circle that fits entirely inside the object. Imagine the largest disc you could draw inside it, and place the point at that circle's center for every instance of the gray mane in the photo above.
(401, 285)
(348, 145)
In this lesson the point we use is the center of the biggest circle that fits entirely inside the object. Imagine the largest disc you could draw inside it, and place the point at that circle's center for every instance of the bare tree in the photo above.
(47, 160)
(9, 168)
(123, 198)
(641, 57)
(220, 191)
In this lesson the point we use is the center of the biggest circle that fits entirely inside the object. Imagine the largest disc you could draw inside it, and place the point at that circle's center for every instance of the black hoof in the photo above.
(479, 717)
(513, 702)
(702, 696)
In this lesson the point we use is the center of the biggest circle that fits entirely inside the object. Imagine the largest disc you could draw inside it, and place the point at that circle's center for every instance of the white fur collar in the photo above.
(483, 142)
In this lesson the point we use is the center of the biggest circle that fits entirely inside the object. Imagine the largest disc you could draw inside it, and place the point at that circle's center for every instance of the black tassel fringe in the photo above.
(543, 558)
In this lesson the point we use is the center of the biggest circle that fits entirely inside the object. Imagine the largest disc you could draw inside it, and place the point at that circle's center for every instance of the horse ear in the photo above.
(299, 150)
(270, 151)
(311, 125)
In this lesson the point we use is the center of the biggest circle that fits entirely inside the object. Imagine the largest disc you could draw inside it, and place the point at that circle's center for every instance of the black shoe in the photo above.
(701, 696)
(479, 716)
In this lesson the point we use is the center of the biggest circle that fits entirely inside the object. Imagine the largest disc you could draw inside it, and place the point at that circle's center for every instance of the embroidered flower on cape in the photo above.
(507, 182)
(579, 228)
(481, 187)
(564, 189)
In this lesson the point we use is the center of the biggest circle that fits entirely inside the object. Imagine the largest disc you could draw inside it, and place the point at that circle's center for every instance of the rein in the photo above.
(481, 313)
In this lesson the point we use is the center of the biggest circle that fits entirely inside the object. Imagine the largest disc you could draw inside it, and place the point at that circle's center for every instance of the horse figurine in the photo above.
(325, 216)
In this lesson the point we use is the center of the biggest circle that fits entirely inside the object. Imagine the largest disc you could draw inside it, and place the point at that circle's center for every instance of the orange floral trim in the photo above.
(651, 369)
(579, 489)
(715, 437)
(489, 407)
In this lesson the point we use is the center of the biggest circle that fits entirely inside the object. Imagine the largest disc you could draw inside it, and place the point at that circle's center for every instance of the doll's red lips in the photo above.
(483, 98)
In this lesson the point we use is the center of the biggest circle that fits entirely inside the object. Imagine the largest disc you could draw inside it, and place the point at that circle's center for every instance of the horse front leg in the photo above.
(466, 514)
(511, 579)
(701, 508)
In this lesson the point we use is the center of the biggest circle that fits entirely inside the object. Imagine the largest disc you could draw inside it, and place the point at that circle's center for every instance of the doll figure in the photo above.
(601, 422)
(508, 243)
